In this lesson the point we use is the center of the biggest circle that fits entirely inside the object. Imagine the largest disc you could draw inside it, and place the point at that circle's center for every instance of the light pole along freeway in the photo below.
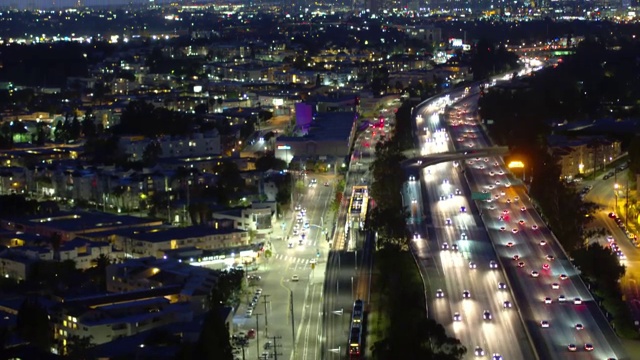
(468, 268)
(521, 232)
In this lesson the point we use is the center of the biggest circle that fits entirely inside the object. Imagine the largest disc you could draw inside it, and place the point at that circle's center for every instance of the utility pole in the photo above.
(293, 332)
(258, 334)
(266, 321)
(275, 346)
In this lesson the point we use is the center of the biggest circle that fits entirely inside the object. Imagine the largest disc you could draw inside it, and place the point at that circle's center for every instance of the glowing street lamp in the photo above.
(517, 164)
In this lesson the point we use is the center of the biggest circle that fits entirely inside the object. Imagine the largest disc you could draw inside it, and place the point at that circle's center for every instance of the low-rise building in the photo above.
(145, 242)
(259, 217)
(580, 155)
(199, 144)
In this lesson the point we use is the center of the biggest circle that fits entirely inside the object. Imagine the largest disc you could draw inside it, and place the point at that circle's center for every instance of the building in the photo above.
(198, 144)
(580, 155)
(155, 273)
(74, 224)
(329, 135)
(143, 242)
(258, 218)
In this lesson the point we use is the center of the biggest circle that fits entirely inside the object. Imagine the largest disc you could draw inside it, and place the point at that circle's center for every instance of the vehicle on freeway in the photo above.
(535, 274)
(472, 265)
(439, 293)
(478, 351)
(579, 326)
(295, 278)
(563, 277)
(502, 286)
(588, 347)
(493, 264)
(486, 315)
(562, 298)
(466, 294)
(445, 246)
(506, 304)
(496, 356)
(544, 323)
(457, 316)
(572, 347)
(547, 300)
(355, 333)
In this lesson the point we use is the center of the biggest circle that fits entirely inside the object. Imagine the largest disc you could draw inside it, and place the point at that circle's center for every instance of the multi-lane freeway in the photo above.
(468, 290)
(559, 329)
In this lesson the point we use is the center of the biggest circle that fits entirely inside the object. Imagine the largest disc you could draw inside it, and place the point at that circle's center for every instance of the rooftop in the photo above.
(163, 234)
(80, 221)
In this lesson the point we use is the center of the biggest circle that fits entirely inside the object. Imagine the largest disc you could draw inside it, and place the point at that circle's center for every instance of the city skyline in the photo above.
(61, 4)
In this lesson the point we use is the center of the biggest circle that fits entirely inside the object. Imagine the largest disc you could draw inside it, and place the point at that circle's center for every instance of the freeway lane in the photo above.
(551, 342)
(451, 270)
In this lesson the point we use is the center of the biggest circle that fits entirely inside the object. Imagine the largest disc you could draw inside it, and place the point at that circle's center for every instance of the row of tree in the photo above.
(409, 333)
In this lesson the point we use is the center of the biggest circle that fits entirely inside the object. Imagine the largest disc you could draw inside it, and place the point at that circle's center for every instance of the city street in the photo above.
(306, 260)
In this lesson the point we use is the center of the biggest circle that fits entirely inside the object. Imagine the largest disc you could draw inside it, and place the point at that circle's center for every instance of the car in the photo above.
(509, 244)
(251, 334)
(497, 182)
(439, 293)
(295, 278)
(534, 227)
(516, 257)
(493, 264)
(579, 326)
(457, 316)
(496, 356)
(555, 286)
(514, 230)
(588, 347)
(535, 274)
(610, 238)
(577, 301)
(445, 246)
(508, 201)
(249, 313)
(454, 247)
(547, 300)
(265, 355)
(507, 184)
(502, 193)
(267, 345)
(543, 242)
(458, 192)
(290, 244)
(515, 199)
(443, 197)
(486, 315)
(502, 286)
(550, 257)
(463, 209)
(463, 236)
(448, 221)
(544, 323)
(521, 265)
(502, 228)
(416, 236)
(562, 298)
(506, 304)
(612, 215)
(545, 266)
(563, 277)
(478, 351)
(523, 209)
(521, 222)
(466, 294)
(491, 173)
(445, 181)
(472, 265)
(572, 347)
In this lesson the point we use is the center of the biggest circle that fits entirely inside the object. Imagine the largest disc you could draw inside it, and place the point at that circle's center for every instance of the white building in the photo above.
(260, 218)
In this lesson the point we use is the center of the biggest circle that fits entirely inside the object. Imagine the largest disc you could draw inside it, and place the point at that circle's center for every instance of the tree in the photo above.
(78, 347)
(213, 343)
(593, 259)
(634, 155)
(88, 125)
(151, 153)
(32, 324)
(269, 162)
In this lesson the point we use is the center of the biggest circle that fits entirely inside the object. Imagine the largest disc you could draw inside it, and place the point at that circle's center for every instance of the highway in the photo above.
(468, 268)
(521, 232)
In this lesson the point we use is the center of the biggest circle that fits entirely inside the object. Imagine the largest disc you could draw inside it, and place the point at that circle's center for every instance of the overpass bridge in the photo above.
(417, 161)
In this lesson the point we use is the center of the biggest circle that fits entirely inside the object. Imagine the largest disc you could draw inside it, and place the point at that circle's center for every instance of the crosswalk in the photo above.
(292, 259)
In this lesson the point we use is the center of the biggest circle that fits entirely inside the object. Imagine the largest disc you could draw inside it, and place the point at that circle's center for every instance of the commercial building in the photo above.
(329, 134)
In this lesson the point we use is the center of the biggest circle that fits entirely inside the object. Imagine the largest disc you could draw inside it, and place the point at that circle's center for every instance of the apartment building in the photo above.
(198, 144)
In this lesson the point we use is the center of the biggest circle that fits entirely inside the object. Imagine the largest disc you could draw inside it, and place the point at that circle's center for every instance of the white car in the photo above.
(445, 246)
(577, 301)
(502, 286)
(555, 286)
(572, 347)
(562, 298)
(547, 300)
(466, 294)
(493, 264)
(439, 293)
(295, 278)
(506, 304)
(535, 274)
(543, 243)
(472, 265)
(579, 326)
(544, 323)
(486, 315)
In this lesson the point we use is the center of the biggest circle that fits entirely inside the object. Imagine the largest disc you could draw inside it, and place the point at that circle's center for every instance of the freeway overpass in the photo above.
(420, 161)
